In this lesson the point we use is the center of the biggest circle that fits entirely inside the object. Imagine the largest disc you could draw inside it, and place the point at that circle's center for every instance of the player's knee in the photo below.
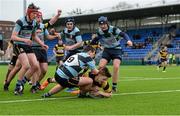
(88, 81)
(43, 72)
(35, 67)
(116, 68)
(25, 67)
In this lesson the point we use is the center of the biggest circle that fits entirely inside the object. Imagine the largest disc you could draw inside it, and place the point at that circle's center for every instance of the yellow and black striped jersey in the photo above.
(94, 45)
(163, 54)
(87, 42)
(59, 49)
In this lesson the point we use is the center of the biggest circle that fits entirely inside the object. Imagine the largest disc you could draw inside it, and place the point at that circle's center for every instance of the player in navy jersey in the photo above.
(67, 75)
(109, 38)
(22, 35)
(71, 38)
(41, 53)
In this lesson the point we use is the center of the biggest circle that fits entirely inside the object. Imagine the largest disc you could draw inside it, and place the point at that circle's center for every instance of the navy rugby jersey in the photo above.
(110, 38)
(24, 29)
(74, 65)
(71, 37)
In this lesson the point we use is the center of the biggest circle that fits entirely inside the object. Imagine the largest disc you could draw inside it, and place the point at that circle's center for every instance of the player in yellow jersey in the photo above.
(101, 87)
(163, 57)
(59, 52)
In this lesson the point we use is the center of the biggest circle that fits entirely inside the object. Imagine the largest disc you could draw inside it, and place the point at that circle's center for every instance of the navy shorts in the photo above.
(163, 60)
(70, 83)
(59, 58)
(41, 55)
(111, 54)
(21, 48)
(13, 60)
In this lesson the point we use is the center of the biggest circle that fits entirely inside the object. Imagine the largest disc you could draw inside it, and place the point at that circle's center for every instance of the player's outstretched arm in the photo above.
(55, 18)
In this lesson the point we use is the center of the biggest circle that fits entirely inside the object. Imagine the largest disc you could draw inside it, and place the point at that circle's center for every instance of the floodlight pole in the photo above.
(24, 7)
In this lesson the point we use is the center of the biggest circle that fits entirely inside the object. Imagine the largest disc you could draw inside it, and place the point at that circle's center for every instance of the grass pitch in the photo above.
(142, 90)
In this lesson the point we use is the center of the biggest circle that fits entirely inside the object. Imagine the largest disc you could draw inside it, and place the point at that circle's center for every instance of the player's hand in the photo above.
(38, 31)
(59, 12)
(57, 35)
(129, 43)
(28, 42)
(93, 36)
(45, 47)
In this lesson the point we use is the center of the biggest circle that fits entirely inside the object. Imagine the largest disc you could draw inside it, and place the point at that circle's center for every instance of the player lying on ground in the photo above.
(67, 74)
(99, 82)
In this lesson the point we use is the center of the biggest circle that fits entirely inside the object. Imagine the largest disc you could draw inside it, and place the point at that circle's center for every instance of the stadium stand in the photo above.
(51, 44)
(148, 28)
(144, 40)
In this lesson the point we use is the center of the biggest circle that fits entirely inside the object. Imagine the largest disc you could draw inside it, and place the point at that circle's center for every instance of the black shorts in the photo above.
(59, 58)
(21, 48)
(111, 54)
(163, 60)
(13, 60)
(70, 83)
(41, 55)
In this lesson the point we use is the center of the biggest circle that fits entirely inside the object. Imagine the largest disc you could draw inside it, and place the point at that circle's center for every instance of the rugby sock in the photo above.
(114, 85)
(18, 84)
(6, 84)
(49, 80)
(164, 68)
(34, 85)
(38, 84)
(33, 88)
(25, 80)
(46, 95)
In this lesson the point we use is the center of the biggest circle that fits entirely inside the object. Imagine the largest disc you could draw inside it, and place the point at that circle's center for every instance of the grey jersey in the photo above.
(110, 38)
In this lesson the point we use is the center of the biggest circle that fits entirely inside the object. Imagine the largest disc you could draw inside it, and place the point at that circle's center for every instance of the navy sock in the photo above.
(24, 80)
(114, 85)
(164, 68)
(18, 84)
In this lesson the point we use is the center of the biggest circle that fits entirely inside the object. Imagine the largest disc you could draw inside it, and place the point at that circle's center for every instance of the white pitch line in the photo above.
(63, 98)
(148, 92)
(136, 69)
(147, 78)
(31, 100)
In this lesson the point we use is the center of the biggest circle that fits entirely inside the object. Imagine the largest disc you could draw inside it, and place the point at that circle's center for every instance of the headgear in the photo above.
(102, 20)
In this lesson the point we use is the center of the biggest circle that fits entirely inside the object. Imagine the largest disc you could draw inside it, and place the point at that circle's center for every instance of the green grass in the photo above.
(142, 91)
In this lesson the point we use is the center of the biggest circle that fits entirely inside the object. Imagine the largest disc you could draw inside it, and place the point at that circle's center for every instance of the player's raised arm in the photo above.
(55, 18)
